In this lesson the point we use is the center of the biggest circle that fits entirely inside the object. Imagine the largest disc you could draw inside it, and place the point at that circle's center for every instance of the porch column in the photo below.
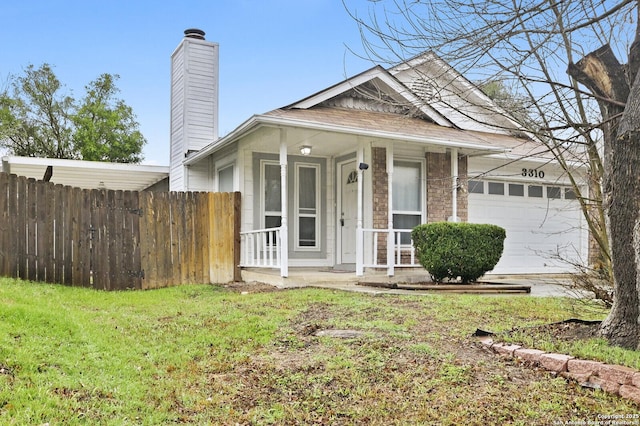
(390, 236)
(284, 226)
(454, 185)
(359, 231)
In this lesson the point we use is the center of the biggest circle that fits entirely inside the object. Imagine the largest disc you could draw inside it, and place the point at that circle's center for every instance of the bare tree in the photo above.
(561, 57)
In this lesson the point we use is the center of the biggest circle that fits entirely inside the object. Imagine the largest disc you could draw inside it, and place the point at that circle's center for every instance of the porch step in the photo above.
(452, 288)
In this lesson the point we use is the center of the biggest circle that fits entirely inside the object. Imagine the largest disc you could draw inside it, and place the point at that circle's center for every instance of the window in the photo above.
(476, 187)
(272, 201)
(307, 202)
(516, 189)
(407, 196)
(569, 194)
(496, 188)
(225, 179)
(553, 192)
(535, 191)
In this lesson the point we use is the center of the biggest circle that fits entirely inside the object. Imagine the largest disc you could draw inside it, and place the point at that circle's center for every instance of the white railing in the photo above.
(261, 248)
(404, 255)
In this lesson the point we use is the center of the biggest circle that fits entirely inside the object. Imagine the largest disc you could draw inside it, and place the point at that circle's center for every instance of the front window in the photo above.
(407, 196)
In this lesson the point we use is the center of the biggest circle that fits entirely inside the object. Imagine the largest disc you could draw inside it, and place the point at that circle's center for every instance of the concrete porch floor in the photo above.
(346, 280)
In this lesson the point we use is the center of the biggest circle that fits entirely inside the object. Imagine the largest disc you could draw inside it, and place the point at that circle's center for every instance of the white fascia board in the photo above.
(383, 75)
(82, 164)
(339, 88)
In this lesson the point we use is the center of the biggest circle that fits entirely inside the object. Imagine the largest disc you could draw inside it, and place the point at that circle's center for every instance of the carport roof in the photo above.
(87, 174)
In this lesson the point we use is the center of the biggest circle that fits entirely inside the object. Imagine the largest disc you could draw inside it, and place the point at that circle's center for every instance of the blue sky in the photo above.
(272, 52)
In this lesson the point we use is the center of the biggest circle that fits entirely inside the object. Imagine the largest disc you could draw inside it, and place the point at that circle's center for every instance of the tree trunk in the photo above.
(620, 107)
(622, 326)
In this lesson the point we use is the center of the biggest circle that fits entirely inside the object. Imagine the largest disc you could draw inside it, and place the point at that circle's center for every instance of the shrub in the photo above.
(458, 250)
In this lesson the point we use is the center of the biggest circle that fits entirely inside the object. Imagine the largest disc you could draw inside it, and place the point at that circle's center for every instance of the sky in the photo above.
(272, 52)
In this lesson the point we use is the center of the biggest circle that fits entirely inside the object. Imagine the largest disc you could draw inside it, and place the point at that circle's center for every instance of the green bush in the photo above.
(449, 250)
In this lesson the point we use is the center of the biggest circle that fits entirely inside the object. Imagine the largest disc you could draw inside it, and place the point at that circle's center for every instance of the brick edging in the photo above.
(616, 379)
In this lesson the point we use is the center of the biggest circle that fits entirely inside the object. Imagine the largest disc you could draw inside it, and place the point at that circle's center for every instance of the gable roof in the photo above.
(387, 104)
(382, 79)
(455, 96)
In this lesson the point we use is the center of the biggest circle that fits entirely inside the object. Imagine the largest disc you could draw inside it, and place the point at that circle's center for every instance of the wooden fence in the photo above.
(115, 240)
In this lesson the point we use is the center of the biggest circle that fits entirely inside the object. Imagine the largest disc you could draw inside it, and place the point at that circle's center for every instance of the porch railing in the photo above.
(261, 248)
(404, 254)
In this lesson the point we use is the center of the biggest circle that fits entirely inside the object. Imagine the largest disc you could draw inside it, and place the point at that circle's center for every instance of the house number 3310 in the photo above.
(534, 173)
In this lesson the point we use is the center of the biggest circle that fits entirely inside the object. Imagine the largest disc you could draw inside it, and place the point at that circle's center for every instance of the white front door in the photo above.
(347, 212)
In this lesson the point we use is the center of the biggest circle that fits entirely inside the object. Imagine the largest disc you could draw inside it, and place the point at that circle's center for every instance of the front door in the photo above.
(347, 212)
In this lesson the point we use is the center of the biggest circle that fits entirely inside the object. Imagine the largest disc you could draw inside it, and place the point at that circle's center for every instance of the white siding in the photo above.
(199, 178)
(194, 107)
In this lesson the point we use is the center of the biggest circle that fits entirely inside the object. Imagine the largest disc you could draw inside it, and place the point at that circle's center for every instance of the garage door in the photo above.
(544, 224)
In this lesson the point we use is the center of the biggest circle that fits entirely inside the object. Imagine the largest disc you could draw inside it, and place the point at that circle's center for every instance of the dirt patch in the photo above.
(251, 287)
(567, 331)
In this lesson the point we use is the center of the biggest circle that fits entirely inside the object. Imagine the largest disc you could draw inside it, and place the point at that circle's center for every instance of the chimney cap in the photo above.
(194, 33)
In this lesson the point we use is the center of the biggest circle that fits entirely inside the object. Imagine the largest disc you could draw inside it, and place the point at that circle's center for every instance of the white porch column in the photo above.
(284, 193)
(390, 235)
(454, 185)
(359, 231)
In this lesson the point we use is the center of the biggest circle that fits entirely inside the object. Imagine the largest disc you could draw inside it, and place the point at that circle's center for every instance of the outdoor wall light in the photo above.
(305, 150)
(363, 166)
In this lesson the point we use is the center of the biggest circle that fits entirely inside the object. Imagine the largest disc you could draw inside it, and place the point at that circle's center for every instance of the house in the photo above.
(338, 179)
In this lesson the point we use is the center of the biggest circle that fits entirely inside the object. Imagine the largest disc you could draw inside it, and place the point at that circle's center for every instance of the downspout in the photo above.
(454, 185)
(284, 194)
(391, 234)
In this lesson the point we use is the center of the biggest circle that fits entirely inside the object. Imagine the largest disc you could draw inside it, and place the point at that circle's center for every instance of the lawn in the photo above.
(215, 355)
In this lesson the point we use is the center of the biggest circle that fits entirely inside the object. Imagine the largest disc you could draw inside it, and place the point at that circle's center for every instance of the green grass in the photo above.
(208, 355)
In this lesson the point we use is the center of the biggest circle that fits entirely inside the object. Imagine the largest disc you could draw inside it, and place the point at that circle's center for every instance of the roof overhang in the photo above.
(87, 174)
(473, 147)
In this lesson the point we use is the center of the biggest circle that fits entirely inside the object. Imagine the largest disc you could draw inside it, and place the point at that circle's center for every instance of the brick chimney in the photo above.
(194, 102)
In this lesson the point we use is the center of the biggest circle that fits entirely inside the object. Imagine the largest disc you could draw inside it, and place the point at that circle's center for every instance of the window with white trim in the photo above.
(407, 196)
(307, 202)
(225, 179)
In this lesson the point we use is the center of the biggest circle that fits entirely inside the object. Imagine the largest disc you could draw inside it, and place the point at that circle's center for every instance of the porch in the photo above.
(339, 278)
(379, 251)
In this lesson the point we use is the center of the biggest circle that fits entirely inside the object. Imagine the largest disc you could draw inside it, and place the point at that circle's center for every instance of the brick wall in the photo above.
(438, 191)
(439, 187)
(380, 198)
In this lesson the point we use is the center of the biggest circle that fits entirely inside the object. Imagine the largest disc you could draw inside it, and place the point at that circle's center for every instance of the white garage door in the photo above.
(542, 222)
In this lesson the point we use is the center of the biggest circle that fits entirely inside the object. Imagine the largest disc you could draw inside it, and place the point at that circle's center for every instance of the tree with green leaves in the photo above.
(35, 116)
(105, 127)
(575, 65)
(38, 119)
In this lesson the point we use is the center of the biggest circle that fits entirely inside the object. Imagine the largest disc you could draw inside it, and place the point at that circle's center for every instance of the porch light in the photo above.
(305, 150)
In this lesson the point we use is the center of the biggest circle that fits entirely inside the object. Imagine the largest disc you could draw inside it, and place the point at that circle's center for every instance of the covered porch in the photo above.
(353, 219)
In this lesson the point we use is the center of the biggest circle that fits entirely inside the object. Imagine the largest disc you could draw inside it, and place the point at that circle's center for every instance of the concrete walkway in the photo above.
(541, 285)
